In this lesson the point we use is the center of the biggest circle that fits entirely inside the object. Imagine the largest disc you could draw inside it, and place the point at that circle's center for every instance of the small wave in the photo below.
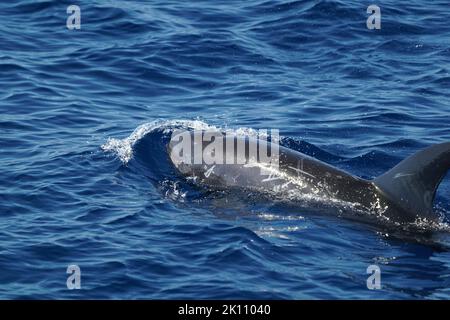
(123, 148)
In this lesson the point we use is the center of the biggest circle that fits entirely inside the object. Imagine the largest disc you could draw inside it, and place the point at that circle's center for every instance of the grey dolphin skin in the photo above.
(402, 194)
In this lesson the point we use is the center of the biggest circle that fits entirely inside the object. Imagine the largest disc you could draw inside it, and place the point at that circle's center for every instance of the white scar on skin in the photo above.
(400, 175)
(301, 171)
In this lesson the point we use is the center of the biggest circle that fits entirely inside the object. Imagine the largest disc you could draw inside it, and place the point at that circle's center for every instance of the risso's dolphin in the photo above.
(402, 194)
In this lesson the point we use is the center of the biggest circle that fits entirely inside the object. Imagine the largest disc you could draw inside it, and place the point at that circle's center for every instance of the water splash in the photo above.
(123, 148)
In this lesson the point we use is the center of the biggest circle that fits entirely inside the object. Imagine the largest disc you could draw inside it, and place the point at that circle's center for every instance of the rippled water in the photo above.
(77, 187)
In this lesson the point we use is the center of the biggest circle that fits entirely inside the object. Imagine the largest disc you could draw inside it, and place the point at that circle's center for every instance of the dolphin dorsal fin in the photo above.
(412, 183)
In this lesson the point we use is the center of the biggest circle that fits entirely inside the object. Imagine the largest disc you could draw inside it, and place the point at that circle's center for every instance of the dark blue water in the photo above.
(77, 187)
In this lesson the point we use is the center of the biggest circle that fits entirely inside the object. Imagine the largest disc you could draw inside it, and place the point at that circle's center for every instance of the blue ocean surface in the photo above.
(86, 113)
